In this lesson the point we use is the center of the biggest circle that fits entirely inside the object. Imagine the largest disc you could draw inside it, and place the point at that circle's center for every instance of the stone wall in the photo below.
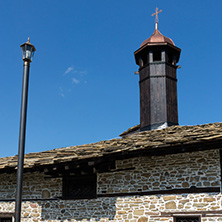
(127, 209)
(200, 169)
(35, 186)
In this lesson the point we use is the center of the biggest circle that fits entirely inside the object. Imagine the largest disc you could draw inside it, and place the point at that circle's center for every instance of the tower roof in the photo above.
(157, 37)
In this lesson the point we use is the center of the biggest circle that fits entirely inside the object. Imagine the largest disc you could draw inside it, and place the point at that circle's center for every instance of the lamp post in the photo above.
(27, 55)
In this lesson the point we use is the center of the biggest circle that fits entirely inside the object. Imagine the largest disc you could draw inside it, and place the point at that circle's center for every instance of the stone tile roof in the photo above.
(147, 140)
(131, 130)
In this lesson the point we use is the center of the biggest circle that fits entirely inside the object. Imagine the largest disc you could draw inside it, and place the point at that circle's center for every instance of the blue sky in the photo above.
(82, 86)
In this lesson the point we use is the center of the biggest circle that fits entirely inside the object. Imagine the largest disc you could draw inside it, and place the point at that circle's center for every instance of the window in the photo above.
(81, 187)
(144, 60)
(157, 56)
(187, 219)
(5, 219)
(172, 59)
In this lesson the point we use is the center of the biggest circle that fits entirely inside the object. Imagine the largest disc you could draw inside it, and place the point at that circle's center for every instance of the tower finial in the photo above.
(156, 19)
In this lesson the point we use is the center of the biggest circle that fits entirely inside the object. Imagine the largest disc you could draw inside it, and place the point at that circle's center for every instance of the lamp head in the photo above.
(28, 51)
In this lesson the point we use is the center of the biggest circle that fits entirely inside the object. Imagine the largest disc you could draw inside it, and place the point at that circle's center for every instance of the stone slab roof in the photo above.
(131, 130)
(146, 140)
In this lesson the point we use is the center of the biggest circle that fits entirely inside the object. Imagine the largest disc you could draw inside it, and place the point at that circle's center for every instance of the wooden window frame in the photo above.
(89, 179)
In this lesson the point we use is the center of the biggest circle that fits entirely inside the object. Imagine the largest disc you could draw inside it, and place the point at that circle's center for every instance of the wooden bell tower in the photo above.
(157, 58)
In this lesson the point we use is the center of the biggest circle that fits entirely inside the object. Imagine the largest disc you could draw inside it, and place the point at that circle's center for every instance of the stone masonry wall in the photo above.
(200, 169)
(119, 209)
(35, 186)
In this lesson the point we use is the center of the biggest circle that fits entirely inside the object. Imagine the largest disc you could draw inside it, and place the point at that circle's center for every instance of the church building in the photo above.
(157, 171)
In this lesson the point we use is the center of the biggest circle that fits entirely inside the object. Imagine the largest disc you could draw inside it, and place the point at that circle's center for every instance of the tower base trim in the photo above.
(158, 126)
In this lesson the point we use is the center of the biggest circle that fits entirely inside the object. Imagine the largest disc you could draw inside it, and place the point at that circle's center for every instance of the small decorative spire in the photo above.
(156, 19)
(28, 40)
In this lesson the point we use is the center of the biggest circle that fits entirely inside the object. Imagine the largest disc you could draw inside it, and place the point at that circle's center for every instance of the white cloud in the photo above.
(61, 92)
(68, 70)
(83, 72)
(71, 77)
(73, 70)
(75, 81)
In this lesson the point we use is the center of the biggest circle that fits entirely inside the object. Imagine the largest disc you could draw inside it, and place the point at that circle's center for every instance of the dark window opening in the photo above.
(157, 56)
(221, 169)
(81, 187)
(5, 219)
(144, 60)
(171, 59)
(187, 219)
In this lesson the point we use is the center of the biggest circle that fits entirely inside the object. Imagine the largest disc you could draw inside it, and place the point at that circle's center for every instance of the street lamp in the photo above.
(27, 55)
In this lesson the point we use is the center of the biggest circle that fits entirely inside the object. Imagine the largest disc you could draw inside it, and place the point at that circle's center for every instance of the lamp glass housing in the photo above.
(28, 51)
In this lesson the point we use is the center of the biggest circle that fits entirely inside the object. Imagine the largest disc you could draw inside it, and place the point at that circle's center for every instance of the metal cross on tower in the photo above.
(156, 19)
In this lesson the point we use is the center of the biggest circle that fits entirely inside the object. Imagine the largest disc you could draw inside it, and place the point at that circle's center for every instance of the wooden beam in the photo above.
(210, 213)
(171, 191)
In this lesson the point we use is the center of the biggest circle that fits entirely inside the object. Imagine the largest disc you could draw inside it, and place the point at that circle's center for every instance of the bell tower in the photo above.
(157, 58)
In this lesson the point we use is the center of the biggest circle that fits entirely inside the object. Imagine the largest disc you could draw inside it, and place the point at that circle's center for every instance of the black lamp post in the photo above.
(27, 55)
